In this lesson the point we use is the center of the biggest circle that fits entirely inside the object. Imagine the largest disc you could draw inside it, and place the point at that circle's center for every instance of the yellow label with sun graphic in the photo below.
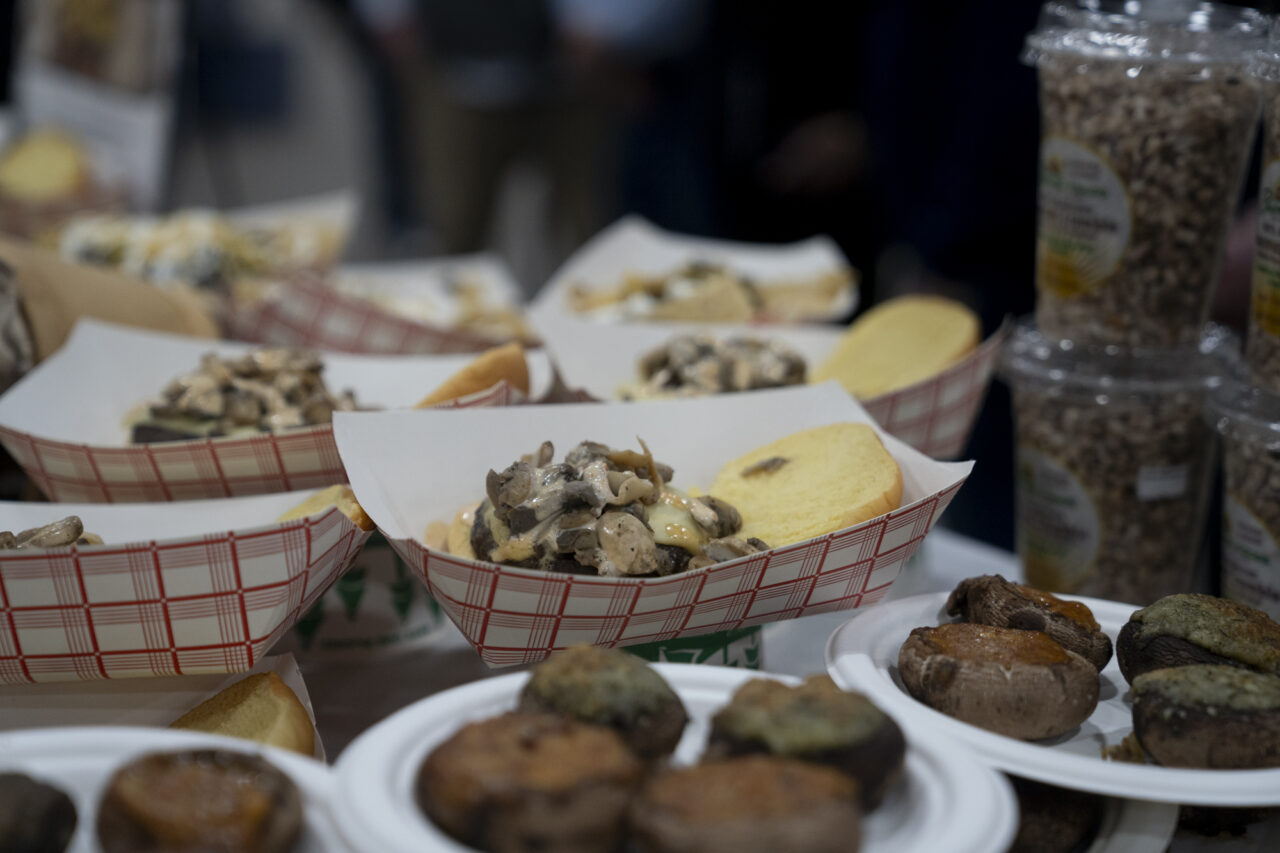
(1266, 256)
(1084, 220)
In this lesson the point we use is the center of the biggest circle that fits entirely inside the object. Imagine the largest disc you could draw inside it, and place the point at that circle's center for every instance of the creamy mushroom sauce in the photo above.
(64, 531)
(604, 511)
(697, 365)
(264, 390)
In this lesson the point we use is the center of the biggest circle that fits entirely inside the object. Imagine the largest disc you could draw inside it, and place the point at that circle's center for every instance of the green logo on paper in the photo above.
(402, 591)
(307, 626)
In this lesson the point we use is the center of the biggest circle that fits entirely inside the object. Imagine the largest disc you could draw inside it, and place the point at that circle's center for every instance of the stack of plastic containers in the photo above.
(1148, 116)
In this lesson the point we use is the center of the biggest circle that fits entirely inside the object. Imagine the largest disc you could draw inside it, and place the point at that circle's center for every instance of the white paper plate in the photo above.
(946, 802)
(1135, 826)
(863, 654)
(80, 761)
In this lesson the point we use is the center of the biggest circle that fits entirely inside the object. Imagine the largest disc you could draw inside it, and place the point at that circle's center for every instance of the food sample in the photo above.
(1209, 716)
(748, 804)
(601, 511)
(818, 722)
(810, 483)
(505, 363)
(697, 365)
(199, 801)
(613, 688)
(262, 391)
(34, 817)
(1016, 683)
(195, 247)
(340, 496)
(466, 305)
(524, 782)
(260, 708)
(992, 600)
(44, 165)
(1053, 819)
(710, 292)
(56, 534)
(900, 342)
(1190, 628)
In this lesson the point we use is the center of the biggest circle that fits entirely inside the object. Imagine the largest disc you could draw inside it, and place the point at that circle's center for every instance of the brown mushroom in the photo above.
(1208, 716)
(1191, 628)
(992, 600)
(1016, 683)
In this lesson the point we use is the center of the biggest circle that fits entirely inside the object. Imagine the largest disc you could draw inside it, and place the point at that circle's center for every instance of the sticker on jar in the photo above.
(1057, 526)
(1250, 560)
(1162, 482)
(1266, 255)
(1084, 219)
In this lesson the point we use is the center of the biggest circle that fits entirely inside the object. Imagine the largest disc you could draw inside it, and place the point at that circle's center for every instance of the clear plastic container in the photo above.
(1148, 115)
(1262, 345)
(1113, 462)
(1248, 419)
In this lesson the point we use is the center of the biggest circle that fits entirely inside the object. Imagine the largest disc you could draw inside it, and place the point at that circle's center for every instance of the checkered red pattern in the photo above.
(313, 315)
(515, 616)
(936, 416)
(188, 470)
(215, 603)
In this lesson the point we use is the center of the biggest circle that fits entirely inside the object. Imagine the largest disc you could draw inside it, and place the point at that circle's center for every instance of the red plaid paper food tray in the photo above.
(514, 615)
(64, 422)
(303, 311)
(214, 602)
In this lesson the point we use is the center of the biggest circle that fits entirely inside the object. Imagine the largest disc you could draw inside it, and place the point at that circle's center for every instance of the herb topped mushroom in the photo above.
(1190, 628)
(601, 511)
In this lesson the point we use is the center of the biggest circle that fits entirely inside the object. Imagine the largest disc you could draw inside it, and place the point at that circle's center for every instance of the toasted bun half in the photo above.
(810, 483)
(489, 368)
(260, 708)
(340, 496)
(900, 342)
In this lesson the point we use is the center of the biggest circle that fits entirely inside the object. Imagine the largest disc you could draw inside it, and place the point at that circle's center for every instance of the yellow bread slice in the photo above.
(504, 362)
(44, 165)
(900, 342)
(828, 478)
(340, 496)
(260, 708)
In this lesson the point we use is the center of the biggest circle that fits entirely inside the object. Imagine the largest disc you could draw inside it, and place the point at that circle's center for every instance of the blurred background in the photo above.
(906, 130)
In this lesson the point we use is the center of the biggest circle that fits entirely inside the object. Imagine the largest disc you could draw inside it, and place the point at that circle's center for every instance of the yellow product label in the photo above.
(1084, 220)
(1057, 527)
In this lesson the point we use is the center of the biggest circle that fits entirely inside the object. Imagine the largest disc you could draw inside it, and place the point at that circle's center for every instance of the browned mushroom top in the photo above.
(1223, 627)
(1073, 610)
(1003, 646)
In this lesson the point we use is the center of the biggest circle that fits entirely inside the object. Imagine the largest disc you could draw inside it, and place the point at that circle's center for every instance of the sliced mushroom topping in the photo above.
(695, 365)
(627, 545)
(728, 548)
(64, 531)
(764, 466)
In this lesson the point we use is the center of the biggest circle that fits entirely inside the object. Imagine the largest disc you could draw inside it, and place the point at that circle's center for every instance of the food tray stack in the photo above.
(1148, 117)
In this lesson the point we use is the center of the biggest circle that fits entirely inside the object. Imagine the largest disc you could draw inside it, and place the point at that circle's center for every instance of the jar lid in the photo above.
(1175, 31)
(1029, 355)
(1239, 410)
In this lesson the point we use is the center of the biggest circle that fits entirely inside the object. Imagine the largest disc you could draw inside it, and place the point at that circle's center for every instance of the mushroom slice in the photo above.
(626, 545)
(64, 531)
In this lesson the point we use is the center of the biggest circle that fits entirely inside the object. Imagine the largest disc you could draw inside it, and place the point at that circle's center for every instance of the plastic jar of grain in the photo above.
(1113, 459)
(1148, 114)
(1248, 419)
(1262, 345)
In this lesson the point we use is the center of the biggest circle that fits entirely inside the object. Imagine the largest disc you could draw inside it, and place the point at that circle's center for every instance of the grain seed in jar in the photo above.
(1248, 419)
(1262, 345)
(1147, 123)
(1113, 461)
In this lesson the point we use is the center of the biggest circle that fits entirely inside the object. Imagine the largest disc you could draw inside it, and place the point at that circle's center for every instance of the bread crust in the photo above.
(505, 363)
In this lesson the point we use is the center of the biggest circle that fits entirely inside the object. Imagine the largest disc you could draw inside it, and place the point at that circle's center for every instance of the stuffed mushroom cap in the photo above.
(1190, 628)
(1016, 683)
(814, 721)
(609, 687)
(992, 600)
(1208, 716)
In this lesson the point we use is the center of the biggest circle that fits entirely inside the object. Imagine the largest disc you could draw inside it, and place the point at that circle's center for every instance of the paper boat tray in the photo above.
(304, 311)
(635, 245)
(65, 422)
(197, 587)
(413, 468)
(935, 415)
